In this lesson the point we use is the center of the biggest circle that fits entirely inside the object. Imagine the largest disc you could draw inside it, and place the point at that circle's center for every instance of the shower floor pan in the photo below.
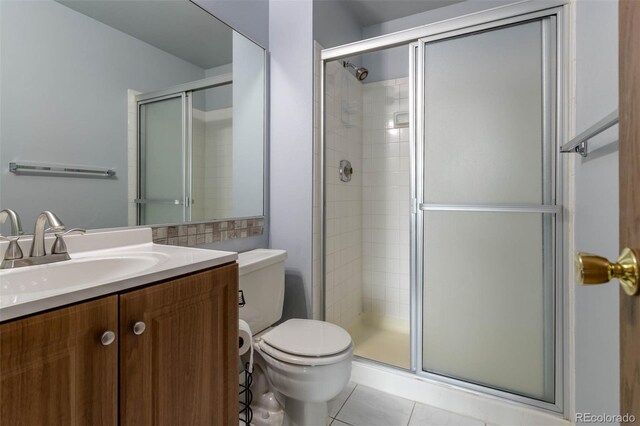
(382, 339)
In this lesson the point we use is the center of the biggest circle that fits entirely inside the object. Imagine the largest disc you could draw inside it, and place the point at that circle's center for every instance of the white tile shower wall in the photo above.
(385, 200)
(198, 166)
(218, 154)
(343, 200)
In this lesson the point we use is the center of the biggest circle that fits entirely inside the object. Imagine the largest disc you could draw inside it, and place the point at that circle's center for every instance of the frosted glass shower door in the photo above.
(161, 162)
(489, 208)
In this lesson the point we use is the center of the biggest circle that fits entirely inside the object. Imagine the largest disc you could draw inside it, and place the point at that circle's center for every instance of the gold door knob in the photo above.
(594, 269)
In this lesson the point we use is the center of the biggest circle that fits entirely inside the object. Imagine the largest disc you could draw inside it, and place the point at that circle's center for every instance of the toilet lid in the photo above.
(308, 338)
(267, 350)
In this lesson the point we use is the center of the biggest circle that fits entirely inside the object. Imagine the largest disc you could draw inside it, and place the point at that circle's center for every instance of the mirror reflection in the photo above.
(122, 113)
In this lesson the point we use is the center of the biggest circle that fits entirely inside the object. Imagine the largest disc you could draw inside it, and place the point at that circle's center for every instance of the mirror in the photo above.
(122, 113)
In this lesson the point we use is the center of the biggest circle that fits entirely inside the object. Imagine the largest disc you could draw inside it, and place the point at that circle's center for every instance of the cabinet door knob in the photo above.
(107, 338)
(139, 327)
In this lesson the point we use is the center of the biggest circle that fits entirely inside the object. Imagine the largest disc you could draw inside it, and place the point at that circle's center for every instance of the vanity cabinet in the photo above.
(181, 368)
(54, 369)
(173, 359)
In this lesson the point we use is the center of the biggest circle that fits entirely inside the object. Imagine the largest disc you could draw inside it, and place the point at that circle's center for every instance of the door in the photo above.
(179, 351)
(629, 109)
(61, 367)
(490, 211)
(162, 161)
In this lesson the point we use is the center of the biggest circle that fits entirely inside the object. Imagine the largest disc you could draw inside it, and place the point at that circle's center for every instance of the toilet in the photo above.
(299, 365)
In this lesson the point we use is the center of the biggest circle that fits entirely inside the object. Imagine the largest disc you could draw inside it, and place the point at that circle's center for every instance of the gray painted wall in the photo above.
(248, 17)
(220, 97)
(291, 38)
(248, 127)
(334, 24)
(64, 81)
(596, 203)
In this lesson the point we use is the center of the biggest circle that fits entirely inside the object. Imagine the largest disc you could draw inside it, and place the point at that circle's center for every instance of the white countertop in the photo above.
(102, 263)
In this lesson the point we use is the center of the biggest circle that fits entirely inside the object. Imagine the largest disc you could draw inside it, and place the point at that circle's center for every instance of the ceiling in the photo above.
(369, 12)
(176, 26)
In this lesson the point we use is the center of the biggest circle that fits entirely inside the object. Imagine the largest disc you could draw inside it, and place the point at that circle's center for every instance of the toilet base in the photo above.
(301, 413)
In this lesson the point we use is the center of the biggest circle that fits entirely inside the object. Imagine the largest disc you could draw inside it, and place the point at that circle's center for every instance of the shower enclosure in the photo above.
(178, 130)
(441, 254)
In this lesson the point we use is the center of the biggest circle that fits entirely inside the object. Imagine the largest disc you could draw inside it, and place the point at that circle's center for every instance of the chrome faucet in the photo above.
(13, 257)
(16, 226)
(55, 224)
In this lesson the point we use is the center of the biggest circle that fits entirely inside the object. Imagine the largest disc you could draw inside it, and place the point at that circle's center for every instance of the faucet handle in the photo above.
(13, 251)
(59, 246)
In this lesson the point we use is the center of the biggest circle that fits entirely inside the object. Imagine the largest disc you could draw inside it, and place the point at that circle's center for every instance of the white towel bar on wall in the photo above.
(579, 143)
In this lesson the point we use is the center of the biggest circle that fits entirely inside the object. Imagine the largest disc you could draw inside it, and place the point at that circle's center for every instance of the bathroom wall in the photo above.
(334, 24)
(385, 200)
(596, 206)
(343, 200)
(291, 149)
(249, 17)
(248, 127)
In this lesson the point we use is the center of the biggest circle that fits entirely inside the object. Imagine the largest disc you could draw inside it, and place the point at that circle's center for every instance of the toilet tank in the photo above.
(261, 274)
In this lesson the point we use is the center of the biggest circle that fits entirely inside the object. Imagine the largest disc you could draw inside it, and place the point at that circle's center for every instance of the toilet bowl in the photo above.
(306, 362)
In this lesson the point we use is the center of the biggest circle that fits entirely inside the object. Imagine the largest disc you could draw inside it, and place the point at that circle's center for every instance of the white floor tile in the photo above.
(370, 407)
(339, 423)
(424, 415)
(336, 403)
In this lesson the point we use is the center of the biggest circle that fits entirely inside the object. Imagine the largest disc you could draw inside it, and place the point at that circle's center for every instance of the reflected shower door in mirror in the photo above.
(161, 163)
(71, 75)
(185, 164)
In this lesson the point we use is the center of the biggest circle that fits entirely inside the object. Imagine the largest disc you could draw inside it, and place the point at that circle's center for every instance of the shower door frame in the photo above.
(185, 92)
(415, 39)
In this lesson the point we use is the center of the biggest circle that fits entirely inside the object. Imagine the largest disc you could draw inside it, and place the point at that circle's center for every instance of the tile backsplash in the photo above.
(188, 235)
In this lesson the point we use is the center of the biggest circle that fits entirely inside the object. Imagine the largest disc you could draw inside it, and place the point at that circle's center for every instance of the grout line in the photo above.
(412, 410)
(344, 403)
(341, 421)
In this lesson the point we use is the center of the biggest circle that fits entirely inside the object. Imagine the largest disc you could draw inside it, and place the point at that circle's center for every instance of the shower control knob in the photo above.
(345, 170)
(139, 327)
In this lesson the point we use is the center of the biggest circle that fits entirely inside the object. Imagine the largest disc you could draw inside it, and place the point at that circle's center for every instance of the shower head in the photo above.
(358, 72)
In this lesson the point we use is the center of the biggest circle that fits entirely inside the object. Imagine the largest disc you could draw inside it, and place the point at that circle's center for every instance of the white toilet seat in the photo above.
(306, 343)
(304, 360)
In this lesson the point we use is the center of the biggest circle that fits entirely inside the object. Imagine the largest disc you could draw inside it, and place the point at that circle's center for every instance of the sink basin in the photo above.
(46, 280)
(102, 263)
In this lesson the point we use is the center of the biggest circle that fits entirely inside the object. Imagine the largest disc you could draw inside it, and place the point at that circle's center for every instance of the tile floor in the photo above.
(358, 405)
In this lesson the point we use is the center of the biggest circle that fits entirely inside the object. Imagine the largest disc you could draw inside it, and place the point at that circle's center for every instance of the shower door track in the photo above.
(485, 20)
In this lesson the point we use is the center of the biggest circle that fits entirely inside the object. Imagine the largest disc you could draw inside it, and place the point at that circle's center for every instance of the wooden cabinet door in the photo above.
(54, 369)
(183, 369)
